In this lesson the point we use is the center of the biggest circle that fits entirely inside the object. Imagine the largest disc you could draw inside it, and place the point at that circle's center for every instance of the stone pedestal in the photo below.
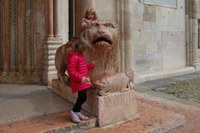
(109, 109)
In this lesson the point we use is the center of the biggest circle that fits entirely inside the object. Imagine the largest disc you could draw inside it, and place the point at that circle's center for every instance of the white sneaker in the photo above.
(74, 117)
(82, 117)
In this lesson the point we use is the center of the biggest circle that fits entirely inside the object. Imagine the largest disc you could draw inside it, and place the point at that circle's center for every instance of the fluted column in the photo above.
(81, 6)
(128, 34)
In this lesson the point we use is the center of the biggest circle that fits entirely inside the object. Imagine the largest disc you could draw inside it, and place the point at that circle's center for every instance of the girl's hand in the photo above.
(93, 62)
(84, 79)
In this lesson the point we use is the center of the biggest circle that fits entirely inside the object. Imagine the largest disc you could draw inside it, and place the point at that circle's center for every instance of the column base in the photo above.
(50, 47)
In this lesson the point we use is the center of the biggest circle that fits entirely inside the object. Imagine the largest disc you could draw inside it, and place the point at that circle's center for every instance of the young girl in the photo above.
(90, 15)
(78, 69)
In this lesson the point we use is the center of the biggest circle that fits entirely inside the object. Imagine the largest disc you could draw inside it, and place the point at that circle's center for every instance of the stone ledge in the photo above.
(139, 77)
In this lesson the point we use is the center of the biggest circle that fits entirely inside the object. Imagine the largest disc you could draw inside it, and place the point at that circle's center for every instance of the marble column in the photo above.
(128, 34)
(191, 33)
(52, 42)
(194, 29)
(120, 7)
(56, 19)
(187, 32)
(80, 7)
(49, 18)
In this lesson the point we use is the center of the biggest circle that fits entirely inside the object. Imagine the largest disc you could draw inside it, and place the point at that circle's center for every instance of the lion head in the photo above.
(102, 35)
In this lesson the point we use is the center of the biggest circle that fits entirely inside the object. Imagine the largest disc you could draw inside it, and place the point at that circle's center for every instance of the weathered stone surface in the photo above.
(119, 82)
(149, 13)
(116, 107)
(109, 109)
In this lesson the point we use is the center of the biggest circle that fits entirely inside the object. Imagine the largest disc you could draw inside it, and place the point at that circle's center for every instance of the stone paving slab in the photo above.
(149, 104)
(52, 123)
(149, 87)
(153, 84)
(19, 102)
(189, 111)
(151, 120)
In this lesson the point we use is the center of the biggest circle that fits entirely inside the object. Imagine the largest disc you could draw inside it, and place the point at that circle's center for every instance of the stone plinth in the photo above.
(109, 109)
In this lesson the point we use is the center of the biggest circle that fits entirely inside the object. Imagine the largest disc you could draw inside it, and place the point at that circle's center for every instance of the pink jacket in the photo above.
(85, 22)
(78, 68)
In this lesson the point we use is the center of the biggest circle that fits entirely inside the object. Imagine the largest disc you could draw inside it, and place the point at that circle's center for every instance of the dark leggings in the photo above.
(82, 97)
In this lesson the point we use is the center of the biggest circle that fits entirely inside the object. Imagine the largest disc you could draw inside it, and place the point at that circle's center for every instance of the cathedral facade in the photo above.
(158, 38)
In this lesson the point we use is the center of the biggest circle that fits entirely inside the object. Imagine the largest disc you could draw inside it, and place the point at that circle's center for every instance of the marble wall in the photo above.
(160, 41)
(170, 3)
(153, 33)
(64, 20)
(158, 33)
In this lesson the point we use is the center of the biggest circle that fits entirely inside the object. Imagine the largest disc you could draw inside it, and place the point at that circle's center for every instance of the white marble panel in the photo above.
(173, 36)
(173, 54)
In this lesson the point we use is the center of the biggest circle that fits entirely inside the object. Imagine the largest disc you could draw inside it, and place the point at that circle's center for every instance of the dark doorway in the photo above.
(71, 18)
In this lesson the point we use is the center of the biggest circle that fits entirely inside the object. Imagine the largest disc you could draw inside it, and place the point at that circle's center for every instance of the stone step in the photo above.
(51, 123)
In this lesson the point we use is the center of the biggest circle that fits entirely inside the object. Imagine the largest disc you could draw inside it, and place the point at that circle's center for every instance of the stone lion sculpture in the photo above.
(103, 37)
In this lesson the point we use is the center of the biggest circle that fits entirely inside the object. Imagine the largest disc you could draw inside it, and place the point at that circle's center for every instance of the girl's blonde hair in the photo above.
(81, 45)
(92, 11)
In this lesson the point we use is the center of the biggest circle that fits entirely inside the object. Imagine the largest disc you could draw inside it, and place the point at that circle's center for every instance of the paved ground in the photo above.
(145, 94)
(151, 87)
(191, 114)
(34, 109)
(20, 102)
(158, 120)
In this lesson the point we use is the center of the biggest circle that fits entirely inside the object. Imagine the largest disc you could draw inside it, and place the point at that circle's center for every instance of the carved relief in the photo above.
(18, 50)
(13, 33)
(28, 34)
(118, 82)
